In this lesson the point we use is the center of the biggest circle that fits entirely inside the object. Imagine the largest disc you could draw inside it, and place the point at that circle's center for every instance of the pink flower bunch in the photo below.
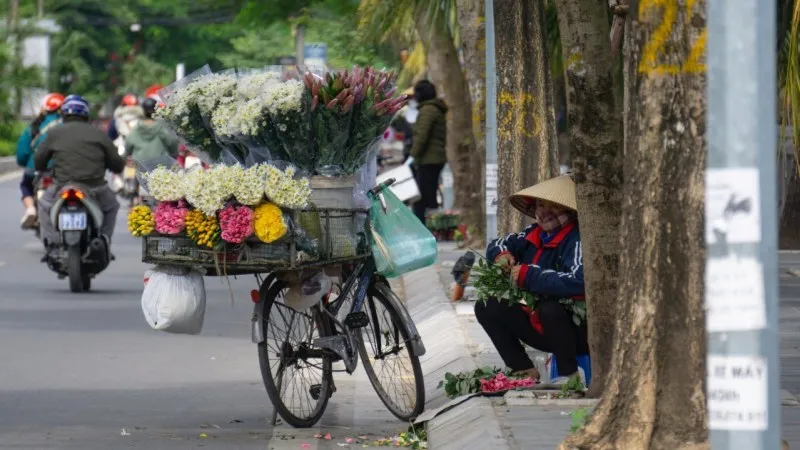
(170, 217)
(236, 223)
(502, 383)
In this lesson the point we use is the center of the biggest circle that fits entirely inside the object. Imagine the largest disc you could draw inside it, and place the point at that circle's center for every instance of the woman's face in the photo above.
(549, 215)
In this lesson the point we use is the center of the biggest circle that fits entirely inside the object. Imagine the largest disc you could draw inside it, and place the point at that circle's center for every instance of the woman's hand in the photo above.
(505, 260)
(515, 273)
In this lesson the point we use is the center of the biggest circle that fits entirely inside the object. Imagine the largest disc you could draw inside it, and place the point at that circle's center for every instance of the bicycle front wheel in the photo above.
(296, 374)
(391, 364)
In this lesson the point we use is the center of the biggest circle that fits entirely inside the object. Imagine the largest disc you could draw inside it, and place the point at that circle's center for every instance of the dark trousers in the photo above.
(508, 325)
(26, 185)
(427, 177)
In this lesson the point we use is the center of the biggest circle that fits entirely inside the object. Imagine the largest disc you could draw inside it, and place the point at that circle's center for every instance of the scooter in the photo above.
(84, 251)
(41, 182)
(130, 185)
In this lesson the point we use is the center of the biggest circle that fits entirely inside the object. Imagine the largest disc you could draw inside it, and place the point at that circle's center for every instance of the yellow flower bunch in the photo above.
(202, 229)
(140, 221)
(269, 224)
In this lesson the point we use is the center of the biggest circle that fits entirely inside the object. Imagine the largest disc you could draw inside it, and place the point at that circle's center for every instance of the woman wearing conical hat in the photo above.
(545, 259)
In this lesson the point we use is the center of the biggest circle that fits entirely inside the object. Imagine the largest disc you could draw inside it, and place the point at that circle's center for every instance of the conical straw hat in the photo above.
(559, 190)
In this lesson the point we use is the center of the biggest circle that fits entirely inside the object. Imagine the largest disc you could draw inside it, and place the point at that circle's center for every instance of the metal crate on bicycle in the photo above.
(293, 204)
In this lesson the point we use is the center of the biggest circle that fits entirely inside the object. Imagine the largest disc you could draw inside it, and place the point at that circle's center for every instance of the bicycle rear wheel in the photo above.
(397, 379)
(296, 374)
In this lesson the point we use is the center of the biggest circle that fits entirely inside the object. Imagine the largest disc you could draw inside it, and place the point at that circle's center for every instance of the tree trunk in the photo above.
(527, 151)
(472, 32)
(789, 230)
(656, 398)
(445, 71)
(595, 133)
(789, 234)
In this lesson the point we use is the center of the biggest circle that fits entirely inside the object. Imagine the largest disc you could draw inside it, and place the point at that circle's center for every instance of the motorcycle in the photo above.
(41, 182)
(84, 251)
(130, 185)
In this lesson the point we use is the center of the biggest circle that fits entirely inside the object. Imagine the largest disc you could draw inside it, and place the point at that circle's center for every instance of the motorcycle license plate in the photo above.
(72, 221)
(130, 172)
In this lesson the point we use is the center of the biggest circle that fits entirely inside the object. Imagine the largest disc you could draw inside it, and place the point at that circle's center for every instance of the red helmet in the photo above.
(52, 102)
(130, 100)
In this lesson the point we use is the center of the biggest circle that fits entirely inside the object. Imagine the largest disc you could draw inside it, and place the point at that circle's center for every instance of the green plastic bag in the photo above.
(400, 242)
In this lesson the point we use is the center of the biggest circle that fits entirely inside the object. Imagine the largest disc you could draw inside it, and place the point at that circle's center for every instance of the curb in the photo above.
(473, 425)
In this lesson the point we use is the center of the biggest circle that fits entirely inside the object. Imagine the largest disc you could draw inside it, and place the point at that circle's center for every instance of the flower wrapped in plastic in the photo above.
(251, 84)
(236, 223)
(285, 188)
(140, 221)
(252, 185)
(170, 217)
(202, 229)
(189, 106)
(208, 190)
(349, 110)
(269, 224)
(165, 185)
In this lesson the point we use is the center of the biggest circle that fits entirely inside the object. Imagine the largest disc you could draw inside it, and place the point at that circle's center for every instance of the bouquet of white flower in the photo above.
(189, 104)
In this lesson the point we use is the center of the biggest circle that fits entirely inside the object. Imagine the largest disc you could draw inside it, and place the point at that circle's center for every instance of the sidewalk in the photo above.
(456, 342)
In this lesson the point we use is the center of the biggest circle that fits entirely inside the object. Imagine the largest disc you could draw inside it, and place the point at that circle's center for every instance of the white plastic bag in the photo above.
(174, 300)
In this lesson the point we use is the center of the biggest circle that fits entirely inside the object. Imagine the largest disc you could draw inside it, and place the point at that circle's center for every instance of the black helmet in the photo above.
(149, 105)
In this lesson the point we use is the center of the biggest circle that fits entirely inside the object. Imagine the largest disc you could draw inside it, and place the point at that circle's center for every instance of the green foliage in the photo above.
(463, 383)
(579, 418)
(573, 384)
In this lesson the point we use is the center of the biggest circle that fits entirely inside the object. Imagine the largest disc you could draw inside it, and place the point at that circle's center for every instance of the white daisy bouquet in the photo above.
(208, 190)
(252, 185)
(285, 188)
(189, 104)
(165, 185)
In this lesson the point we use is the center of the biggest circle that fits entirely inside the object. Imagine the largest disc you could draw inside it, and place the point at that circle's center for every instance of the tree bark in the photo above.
(789, 232)
(596, 147)
(527, 151)
(445, 71)
(656, 398)
(472, 32)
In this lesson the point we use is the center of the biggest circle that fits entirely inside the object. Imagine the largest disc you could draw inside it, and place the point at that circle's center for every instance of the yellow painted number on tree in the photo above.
(516, 110)
(655, 46)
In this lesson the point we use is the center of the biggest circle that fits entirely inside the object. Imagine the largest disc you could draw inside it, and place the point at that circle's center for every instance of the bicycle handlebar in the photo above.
(379, 188)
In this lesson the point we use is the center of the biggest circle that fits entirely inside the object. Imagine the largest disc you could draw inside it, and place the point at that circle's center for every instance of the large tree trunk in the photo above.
(527, 151)
(473, 44)
(445, 71)
(595, 132)
(789, 235)
(656, 398)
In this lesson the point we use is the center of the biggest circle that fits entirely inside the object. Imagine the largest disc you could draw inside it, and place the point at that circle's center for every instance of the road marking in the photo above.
(2, 263)
(33, 245)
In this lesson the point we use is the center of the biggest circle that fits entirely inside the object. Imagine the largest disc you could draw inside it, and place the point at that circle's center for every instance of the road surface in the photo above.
(85, 371)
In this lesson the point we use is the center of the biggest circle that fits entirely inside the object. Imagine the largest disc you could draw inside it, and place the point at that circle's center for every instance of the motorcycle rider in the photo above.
(27, 144)
(151, 138)
(79, 153)
(127, 112)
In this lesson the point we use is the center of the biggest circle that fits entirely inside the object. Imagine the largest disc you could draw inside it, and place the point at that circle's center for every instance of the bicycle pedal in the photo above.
(357, 319)
(316, 391)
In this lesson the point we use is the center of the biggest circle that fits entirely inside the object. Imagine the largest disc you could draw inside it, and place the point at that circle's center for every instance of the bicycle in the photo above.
(323, 339)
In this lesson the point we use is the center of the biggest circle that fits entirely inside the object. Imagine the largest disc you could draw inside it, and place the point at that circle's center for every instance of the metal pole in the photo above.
(743, 372)
(491, 125)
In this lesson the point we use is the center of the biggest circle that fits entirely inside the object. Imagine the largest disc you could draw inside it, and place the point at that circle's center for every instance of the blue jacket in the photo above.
(26, 147)
(552, 265)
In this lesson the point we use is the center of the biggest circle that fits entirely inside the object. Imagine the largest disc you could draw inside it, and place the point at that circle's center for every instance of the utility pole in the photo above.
(300, 45)
(491, 125)
(743, 372)
(39, 9)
